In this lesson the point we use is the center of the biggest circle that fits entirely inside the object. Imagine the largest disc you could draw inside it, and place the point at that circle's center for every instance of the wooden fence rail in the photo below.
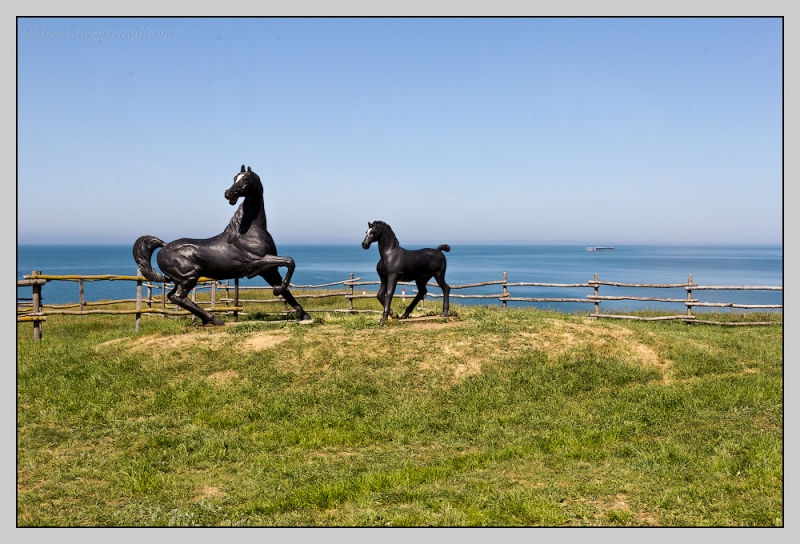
(33, 310)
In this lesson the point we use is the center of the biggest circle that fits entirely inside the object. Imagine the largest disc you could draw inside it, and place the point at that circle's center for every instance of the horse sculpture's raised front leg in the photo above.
(269, 263)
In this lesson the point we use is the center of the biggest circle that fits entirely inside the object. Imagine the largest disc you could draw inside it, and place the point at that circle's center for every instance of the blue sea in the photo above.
(316, 264)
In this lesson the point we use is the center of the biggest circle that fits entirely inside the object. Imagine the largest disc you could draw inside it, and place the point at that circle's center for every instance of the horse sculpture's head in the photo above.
(374, 232)
(370, 236)
(245, 183)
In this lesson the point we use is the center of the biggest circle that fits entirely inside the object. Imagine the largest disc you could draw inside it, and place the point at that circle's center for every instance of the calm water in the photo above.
(709, 265)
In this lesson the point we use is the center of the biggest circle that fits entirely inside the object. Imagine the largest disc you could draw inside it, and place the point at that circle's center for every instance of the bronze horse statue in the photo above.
(399, 264)
(245, 248)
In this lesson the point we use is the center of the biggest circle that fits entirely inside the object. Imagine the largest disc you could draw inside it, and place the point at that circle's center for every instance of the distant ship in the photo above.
(600, 248)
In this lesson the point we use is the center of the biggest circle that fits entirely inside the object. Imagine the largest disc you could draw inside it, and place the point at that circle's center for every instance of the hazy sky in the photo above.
(593, 131)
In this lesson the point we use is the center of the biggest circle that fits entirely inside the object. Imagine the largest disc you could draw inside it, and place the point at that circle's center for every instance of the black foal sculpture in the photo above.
(398, 264)
(245, 248)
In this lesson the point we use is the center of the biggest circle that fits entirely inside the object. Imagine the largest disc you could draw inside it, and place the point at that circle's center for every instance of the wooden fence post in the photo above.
(213, 294)
(36, 303)
(164, 298)
(138, 300)
(688, 300)
(149, 295)
(236, 300)
(80, 293)
(596, 296)
(505, 288)
(350, 305)
(194, 299)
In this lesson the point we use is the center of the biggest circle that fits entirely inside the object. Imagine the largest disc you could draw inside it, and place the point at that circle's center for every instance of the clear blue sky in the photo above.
(592, 131)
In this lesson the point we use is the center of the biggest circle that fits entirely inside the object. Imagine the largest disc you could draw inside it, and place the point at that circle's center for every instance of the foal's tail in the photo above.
(443, 247)
(142, 252)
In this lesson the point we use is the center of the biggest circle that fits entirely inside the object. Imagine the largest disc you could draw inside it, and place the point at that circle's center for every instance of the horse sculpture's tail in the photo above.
(443, 247)
(142, 252)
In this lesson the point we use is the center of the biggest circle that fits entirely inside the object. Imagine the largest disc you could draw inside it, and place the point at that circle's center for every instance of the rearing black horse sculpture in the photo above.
(398, 264)
(245, 248)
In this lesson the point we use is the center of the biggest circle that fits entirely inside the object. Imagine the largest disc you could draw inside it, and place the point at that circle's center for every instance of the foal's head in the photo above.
(375, 232)
(245, 183)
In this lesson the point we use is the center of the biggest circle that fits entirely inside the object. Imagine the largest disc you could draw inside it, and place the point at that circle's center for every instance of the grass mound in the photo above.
(498, 418)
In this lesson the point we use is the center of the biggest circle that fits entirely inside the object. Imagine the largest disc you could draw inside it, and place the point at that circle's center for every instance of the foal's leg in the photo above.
(273, 277)
(382, 296)
(445, 293)
(422, 290)
(179, 296)
(382, 292)
(391, 283)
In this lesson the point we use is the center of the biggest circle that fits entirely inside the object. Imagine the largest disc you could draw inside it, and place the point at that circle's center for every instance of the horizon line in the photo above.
(462, 242)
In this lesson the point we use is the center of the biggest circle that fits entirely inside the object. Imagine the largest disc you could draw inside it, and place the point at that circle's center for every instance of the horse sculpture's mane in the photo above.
(233, 230)
(385, 225)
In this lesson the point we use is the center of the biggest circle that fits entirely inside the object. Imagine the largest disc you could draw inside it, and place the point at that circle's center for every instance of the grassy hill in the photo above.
(500, 418)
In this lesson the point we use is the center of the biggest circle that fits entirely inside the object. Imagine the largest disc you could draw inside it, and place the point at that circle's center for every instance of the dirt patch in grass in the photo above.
(447, 373)
(431, 325)
(559, 336)
(208, 491)
(156, 342)
(458, 359)
(205, 339)
(262, 340)
(617, 511)
(221, 378)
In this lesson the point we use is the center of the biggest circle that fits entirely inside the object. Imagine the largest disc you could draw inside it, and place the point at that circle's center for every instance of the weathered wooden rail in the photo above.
(33, 310)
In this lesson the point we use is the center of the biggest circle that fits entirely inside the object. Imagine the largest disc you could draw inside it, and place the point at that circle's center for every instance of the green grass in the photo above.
(496, 418)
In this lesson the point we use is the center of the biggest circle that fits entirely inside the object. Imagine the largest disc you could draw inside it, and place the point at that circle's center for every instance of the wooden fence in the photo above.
(35, 311)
